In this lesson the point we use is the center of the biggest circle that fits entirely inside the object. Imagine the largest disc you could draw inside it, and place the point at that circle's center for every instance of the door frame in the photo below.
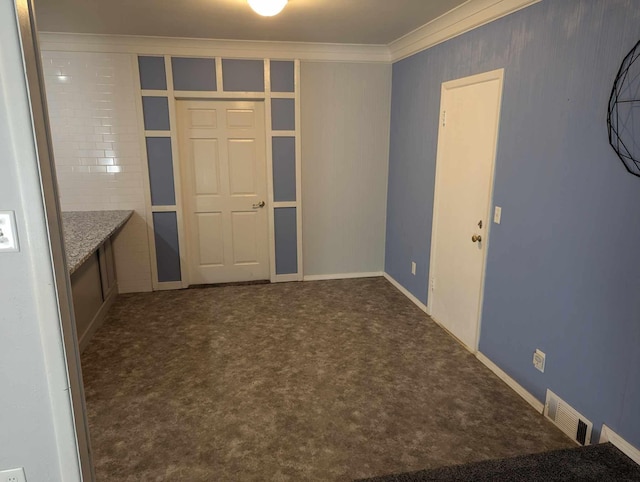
(220, 94)
(68, 409)
(492, 75)
(182, 166)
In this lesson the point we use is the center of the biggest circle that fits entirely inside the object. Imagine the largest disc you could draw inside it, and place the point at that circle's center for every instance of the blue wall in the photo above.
(563, 269)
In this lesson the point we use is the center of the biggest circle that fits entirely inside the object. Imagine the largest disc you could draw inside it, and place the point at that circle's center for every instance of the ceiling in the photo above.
(326, 21)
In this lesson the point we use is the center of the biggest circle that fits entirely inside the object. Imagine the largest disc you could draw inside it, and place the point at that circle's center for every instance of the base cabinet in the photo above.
(94, 288)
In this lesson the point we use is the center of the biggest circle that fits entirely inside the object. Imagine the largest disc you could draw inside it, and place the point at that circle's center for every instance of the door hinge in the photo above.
(444, 118)
(433, 284)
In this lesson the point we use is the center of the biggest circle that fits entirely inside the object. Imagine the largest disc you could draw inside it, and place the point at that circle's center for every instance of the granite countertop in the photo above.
(85, 231)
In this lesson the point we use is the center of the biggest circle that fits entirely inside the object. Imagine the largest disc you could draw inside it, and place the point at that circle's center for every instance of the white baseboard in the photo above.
(406, 292)
(169, 285)
(98, 319)
(608, 435)
(322, 277)
(286, 278)
(515, 386)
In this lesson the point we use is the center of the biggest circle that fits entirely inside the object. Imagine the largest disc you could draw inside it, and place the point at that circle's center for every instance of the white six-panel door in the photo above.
(470, 112)
(223, 166)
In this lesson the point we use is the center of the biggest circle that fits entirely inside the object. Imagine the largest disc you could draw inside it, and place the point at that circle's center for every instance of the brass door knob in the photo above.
(476, 238)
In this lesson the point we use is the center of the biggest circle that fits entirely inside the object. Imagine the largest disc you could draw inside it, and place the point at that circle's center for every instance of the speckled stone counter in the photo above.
(85, 231)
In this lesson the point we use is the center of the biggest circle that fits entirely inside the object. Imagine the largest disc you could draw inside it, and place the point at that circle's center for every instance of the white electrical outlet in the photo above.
(13, 475)
(497, 215)
(413, 268)
(8, 235)
(539, 360)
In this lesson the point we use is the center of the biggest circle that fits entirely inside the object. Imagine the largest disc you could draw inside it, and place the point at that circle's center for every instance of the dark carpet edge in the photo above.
(603, 462)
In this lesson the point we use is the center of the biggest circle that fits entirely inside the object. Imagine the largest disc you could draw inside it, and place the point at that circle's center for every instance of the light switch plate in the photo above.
(8, 235)
(413, 268)
(497, 215)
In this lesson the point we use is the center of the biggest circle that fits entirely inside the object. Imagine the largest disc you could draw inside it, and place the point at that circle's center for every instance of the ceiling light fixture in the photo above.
(267, 8)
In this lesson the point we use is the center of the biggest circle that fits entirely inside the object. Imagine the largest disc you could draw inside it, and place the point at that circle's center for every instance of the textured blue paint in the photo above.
(284, 169)
(282, 76)
(243, 75)
(286, 235)
(563, 268)
(156, 113)
(152, 73)
(161, 171)
(283, 114)
(165, 227)
(197, 74)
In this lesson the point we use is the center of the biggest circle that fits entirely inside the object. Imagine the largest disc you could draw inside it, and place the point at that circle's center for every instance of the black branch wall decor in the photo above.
(623, 118)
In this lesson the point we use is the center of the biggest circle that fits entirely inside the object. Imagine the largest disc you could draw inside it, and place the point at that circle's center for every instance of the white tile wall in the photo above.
(96, 144)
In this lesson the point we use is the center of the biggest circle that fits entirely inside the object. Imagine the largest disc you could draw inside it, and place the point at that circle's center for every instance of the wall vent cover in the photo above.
(567, 419)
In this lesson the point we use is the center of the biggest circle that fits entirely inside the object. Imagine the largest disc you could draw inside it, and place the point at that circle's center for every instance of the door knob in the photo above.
(261, 204)
(476, 238)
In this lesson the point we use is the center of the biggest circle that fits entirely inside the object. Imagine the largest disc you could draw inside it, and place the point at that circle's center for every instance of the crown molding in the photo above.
(324, 52)
(471, 14)
(466, 17)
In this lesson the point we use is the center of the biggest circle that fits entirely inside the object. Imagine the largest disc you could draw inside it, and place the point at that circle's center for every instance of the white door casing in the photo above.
(467, 143)
(224, 176)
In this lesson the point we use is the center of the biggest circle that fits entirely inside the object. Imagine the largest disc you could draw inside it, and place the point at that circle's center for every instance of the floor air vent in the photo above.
(567, 419)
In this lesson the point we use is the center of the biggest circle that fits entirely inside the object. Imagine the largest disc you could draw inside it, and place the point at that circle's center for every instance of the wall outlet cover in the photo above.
(413, 268)
(8, 234)
(539, 360)
(13, 475)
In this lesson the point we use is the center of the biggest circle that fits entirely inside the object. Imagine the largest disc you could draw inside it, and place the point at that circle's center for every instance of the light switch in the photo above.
(8, 232)
(497, 215)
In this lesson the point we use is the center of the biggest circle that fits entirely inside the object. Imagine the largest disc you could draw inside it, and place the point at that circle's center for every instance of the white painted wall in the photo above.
(36, 425)
(345, 155)
(96, 141)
